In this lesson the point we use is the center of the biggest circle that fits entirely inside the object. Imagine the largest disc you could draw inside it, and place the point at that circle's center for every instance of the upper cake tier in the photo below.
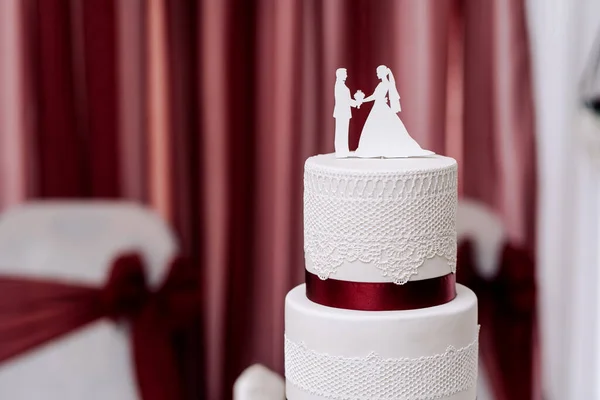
(380, 220)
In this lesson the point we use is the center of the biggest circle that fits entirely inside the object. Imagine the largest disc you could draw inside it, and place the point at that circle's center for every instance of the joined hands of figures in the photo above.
(359, 97)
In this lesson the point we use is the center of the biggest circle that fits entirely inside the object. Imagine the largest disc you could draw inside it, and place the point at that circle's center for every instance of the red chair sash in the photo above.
(34, 312)
(507, 314)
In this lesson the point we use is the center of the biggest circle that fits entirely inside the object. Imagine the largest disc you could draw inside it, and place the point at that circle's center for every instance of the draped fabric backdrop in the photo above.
(206, 111)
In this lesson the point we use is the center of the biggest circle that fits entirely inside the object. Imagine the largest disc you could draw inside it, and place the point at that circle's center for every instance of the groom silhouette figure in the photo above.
(342, 113)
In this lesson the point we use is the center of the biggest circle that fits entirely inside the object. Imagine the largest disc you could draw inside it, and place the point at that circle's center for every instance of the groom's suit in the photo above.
(342, 115)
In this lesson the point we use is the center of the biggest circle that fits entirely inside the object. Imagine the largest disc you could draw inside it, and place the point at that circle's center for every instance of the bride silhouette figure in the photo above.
(384, 134)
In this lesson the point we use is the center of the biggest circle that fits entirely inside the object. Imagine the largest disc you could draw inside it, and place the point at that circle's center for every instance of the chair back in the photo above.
(76, 242)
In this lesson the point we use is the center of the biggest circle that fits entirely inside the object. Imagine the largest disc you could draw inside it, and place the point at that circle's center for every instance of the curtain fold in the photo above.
(94, 27)
(207, 110)
(13, 110)
(499, 123)
(58, 144)
(213, 164)
(131, 45)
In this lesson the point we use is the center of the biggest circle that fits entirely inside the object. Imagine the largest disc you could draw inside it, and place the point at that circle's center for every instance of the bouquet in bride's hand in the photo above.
(359, 97)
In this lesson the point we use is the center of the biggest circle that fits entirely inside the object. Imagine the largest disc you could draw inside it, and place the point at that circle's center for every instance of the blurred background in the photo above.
(204, 111)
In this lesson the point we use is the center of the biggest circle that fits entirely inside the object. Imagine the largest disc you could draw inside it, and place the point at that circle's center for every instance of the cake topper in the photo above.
(342, 112)
(384, 134)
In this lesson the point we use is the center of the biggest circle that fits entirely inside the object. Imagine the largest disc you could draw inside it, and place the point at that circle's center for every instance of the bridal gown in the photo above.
(384, 134)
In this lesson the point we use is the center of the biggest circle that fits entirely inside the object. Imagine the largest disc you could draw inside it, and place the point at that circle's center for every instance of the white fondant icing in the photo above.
(295, 393)
(439, 342)
(384, 220)
(359, 271)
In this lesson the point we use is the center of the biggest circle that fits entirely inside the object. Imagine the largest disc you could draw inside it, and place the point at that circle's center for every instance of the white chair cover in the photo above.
(479, 223)
(76, 242)
(259, 383)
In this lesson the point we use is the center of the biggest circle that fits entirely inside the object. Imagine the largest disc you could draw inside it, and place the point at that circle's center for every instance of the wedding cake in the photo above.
(380, 315)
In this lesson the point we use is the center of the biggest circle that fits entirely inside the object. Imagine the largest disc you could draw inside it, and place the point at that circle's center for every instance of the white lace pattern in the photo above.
(391, 220)
(372, 377)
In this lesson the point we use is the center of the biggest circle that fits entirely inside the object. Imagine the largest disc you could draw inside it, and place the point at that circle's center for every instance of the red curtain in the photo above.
(206, 110)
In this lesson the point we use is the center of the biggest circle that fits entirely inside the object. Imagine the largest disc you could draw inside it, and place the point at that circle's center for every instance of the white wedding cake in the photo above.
(380, 316)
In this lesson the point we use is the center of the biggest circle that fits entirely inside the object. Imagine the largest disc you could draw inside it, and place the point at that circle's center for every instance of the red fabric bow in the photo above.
(34, 312)
(507, 314)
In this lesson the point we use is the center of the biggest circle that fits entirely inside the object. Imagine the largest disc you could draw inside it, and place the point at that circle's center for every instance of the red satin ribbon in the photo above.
(377, 296)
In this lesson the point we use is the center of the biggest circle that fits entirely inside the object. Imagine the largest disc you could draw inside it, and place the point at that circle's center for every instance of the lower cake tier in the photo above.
(424, 354)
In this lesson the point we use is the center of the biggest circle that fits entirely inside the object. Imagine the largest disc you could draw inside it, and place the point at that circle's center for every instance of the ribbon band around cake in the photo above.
(381, 296)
